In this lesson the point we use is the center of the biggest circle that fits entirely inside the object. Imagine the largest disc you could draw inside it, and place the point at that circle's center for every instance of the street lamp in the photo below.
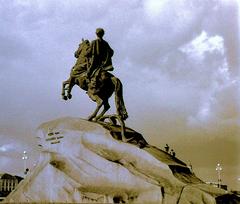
(24, 158)
(219, 169)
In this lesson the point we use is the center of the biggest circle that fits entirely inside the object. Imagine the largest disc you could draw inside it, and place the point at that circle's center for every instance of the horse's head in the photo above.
(84, 43)
(82, 49)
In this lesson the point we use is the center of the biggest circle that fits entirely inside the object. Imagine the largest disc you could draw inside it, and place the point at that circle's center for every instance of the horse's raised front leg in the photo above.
(71, 84)
(64, 88)
(99, 102)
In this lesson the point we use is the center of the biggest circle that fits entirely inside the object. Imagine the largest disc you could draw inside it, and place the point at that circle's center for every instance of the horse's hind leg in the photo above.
(99, 102)
(106, 107)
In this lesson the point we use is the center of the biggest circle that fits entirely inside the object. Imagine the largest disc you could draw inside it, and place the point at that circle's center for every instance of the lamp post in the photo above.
(24, 158)
(219, 169)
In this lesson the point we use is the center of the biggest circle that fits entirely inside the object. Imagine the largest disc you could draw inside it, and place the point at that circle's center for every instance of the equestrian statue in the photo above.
(91, 73)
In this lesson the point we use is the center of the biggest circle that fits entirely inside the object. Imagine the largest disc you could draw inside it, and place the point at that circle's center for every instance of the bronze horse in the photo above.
(99, 88)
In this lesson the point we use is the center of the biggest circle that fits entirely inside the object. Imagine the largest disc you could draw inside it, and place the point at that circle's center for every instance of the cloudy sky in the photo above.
(177, 59)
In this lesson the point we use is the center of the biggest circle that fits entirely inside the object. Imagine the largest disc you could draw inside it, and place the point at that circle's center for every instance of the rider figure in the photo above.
(92, 58)
(101, 54)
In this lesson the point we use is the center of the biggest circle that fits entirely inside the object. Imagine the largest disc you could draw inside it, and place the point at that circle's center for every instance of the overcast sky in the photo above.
(177, 59)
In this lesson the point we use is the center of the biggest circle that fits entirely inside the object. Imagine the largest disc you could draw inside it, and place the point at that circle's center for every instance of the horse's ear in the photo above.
(82, 39)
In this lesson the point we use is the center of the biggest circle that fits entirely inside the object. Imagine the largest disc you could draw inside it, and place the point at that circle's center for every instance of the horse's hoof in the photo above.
(69, 96)
(65, 98)
(90, 118)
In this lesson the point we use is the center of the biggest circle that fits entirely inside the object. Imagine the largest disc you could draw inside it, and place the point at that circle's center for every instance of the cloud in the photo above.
(6, 147)
(222, 90)
(204, 45)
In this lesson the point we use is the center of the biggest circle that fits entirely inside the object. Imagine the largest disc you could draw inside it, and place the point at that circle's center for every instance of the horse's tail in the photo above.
(119, 102)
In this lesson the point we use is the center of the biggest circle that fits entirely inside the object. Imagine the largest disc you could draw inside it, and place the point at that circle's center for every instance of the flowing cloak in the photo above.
(101, 54)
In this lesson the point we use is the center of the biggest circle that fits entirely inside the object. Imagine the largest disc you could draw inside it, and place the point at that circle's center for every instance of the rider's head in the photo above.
(100, 32)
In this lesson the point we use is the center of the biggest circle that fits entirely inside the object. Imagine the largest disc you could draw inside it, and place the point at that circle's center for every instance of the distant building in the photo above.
(216, 184)
(7, 184)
